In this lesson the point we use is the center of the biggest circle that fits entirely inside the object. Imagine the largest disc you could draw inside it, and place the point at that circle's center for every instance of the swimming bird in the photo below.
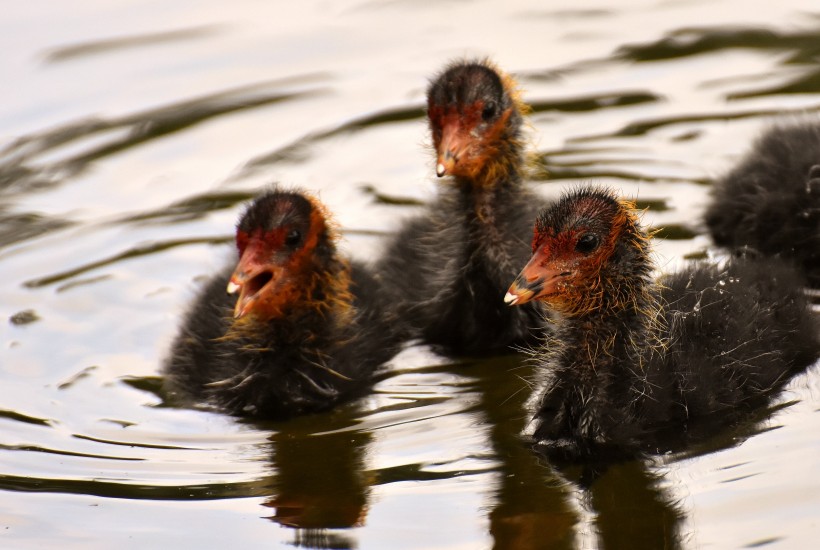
(638, 365)
(447, 269)
(770, 201)
(292, 328)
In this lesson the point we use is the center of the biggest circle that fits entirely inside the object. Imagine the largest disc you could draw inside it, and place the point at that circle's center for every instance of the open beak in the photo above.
(454, 143)
(251, 279)
(538, 279)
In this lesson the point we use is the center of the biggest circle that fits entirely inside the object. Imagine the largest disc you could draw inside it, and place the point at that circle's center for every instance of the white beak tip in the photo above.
(232, 287)
(440, 169)
(510, 298)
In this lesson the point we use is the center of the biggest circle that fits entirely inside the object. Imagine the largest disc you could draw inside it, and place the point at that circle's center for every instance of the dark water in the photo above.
(130, 134)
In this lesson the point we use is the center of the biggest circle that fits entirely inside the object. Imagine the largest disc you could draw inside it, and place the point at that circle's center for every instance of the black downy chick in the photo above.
(447, 269)
(307, 331)
(635, 364)
(770, 201)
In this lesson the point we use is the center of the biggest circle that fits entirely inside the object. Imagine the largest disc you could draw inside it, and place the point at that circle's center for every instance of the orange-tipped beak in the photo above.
(538, 279)
(251, 278)
(451, 149)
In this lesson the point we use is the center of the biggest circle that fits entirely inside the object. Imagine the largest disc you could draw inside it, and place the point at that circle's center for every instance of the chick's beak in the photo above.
(538, 279)
(451, 148)
(251, 279)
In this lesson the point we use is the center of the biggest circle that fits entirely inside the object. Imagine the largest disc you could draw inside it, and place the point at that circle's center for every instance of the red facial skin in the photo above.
(558, 274)
(269, 278)
(555, 272)
(463, 148)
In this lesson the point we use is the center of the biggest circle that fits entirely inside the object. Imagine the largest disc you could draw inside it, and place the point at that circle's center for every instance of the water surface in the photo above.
(132, 132)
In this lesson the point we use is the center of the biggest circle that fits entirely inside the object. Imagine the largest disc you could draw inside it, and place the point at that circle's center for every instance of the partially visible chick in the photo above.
(307, 331)
(447, 269)
(770, 201)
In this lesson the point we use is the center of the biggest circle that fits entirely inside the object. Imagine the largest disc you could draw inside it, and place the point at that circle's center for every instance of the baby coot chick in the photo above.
(306, 331)
(447, 270)
(634, 364)
(770, 202)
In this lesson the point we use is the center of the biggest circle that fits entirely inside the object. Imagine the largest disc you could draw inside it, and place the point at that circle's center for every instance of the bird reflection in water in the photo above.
(321, 481)
(321, 484)
(539, 504)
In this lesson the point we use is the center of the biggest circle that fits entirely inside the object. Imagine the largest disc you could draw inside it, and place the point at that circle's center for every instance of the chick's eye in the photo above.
(293, 238)
(488, 112)
(587, 243)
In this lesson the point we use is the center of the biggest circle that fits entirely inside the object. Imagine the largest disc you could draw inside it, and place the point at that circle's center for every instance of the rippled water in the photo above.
(130, 134)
